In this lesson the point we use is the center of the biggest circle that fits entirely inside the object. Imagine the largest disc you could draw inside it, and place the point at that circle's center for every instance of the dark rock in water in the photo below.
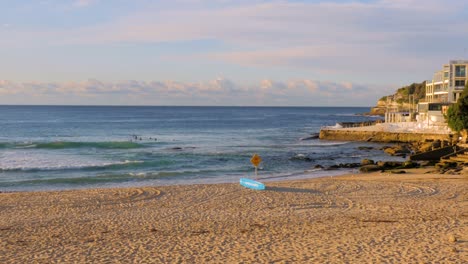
(367, 162)
(176, 148)
(345, 165)
(365, 148)
(352, 165)
(318, 166)
(312, 136)
(370, 168)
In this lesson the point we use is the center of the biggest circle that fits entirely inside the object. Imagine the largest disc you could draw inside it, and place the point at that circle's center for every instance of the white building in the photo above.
(448, 83)
(444, 89)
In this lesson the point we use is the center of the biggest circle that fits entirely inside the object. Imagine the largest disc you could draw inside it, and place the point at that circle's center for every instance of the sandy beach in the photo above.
(363, 218)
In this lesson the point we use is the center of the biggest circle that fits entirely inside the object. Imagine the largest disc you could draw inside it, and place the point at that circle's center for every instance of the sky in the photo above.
(223, 52)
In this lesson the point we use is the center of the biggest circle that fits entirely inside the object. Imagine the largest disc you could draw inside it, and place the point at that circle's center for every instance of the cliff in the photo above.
(400, 100)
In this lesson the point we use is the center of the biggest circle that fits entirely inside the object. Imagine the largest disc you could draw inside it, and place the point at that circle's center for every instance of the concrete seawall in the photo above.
(380, 136)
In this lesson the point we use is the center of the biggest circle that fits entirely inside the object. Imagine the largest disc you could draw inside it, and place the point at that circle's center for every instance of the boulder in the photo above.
(345, 165)
(365, 148)
(409, 164)
(389, 164)
(425, 147)
(398, 150)
(367, 162)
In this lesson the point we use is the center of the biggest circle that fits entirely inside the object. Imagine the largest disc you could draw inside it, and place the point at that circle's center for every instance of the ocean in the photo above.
(75, 147)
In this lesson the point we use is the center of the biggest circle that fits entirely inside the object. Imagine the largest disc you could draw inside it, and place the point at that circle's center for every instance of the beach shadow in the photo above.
(290, 189)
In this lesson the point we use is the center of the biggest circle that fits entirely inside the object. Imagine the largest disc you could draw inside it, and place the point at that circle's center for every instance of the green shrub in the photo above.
(457, 114)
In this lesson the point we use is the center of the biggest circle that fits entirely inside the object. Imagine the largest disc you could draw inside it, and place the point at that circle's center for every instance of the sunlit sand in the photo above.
(365, 218)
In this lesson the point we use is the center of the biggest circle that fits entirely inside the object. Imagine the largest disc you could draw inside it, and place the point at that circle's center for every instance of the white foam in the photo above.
(25, 160)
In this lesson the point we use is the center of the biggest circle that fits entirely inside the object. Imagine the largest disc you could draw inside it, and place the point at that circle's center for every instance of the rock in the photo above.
(436, 144)
(345, 165)
(425, 147)
(452, 238)
(312, 136)
(309, 138)
(377, 111)
(446, 165)
(410, 164)
(352, 165)
(398, 150)
(365, 148)
(426, 163)
(389, 164)
(367, 162)
(370, 168)
(318, 166)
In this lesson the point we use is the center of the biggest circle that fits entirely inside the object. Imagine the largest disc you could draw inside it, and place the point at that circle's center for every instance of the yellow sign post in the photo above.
(255, 160)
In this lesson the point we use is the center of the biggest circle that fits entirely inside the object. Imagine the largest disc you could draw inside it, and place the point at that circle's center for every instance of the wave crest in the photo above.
(73, 144)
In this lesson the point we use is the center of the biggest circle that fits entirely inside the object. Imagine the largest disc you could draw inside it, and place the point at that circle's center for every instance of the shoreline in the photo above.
(376, 217)
(306, 175)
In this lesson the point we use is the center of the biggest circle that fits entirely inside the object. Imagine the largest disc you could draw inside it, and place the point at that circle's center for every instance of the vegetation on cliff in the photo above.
(457, 114)
(401, 98)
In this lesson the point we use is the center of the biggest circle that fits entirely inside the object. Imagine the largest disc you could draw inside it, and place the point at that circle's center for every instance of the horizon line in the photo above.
(117, 105)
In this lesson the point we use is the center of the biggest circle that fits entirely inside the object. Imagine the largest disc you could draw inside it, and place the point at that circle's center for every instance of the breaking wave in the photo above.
(73, 145)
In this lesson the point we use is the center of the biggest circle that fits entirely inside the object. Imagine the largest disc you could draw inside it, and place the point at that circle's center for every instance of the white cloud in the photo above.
(220, 91)
(329, 37)
(374, 41)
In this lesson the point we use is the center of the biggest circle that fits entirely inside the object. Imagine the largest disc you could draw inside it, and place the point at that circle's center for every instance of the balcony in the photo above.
(434, 100)
(440, 90)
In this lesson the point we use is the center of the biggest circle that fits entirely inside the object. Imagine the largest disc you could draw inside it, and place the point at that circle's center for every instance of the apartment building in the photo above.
(448, 83)
(444, 89)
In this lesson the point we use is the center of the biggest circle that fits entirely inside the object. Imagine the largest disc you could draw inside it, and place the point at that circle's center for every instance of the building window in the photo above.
(460, 71)
(446, 75)
(435, 107)
(459, 83)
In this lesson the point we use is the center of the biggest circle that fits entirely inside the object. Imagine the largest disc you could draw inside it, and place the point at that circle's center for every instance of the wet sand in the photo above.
(362, 218)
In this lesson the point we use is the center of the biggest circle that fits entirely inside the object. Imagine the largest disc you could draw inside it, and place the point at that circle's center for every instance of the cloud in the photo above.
(220, 91)
(374, 37)
(386, 41)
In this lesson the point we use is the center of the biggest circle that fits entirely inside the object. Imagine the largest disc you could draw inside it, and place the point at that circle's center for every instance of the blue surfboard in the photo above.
(252, 184)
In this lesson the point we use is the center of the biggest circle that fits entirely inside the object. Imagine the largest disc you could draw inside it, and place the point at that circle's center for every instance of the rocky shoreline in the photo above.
(404, 144)
(399, 167)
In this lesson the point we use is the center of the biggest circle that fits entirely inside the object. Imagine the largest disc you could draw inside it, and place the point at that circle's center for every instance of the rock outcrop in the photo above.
(400, 100)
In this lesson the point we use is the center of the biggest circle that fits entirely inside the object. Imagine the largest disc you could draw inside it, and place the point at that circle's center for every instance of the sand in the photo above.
(364, 218)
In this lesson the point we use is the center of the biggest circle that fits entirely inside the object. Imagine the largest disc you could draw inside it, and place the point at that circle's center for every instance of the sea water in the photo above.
(69, 147)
